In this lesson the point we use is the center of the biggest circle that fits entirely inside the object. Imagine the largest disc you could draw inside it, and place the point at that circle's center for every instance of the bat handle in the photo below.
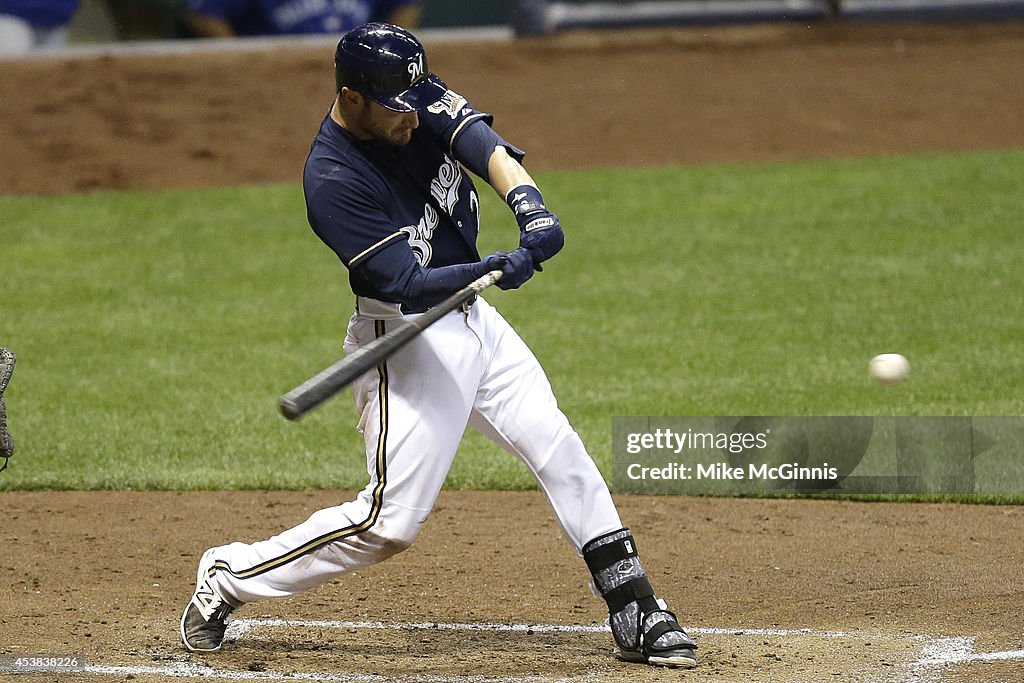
(486, 281)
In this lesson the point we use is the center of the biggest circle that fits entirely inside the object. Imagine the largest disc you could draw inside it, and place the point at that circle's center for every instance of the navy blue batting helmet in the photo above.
(387, 64)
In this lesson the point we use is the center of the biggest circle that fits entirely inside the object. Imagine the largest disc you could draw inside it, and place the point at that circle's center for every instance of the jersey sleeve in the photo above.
(447, 118)
(350, 217)
(466, 133)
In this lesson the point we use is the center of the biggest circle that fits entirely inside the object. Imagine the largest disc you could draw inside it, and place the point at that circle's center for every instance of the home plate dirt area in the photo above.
(773, 590)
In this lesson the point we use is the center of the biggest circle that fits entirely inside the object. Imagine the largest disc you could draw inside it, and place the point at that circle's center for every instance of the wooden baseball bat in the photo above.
(333, 379)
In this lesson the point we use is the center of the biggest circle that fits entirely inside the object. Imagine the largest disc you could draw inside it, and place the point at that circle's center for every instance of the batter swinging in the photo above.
(386, 188)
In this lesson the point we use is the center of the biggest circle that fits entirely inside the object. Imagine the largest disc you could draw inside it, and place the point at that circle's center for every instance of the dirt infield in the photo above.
(105, 575)
(794, 591)
(653, 97)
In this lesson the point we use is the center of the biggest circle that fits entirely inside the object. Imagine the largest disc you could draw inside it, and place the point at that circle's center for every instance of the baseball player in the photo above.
(388, 189)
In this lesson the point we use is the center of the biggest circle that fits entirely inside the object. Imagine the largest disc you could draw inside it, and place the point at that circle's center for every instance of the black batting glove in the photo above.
(516, 267)
(539, 229)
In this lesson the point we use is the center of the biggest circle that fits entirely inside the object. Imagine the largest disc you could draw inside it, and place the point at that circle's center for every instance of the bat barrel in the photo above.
(290, 408)
(330, 381)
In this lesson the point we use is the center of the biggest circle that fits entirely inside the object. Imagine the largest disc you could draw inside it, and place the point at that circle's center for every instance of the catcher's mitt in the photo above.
(6, 369)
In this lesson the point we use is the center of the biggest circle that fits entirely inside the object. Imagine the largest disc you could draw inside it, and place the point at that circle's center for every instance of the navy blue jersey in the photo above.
(390, 212)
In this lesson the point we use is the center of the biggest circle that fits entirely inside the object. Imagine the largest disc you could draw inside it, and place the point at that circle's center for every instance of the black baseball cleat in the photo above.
(674, 658)
(207, 615)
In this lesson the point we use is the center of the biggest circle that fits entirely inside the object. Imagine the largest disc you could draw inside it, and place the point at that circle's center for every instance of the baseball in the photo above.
(889, 368)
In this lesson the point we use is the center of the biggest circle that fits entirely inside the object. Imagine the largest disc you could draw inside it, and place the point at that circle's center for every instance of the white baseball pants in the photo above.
(466, 369)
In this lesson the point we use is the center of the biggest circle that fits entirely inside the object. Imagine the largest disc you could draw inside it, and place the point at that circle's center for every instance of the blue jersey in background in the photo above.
(41, 13)
(281, 17)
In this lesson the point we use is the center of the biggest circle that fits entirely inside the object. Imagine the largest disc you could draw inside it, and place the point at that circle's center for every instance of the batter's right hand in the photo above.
(516, 267)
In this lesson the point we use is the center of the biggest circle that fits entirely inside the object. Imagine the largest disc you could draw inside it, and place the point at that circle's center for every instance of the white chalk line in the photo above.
(936, 654)
(240, 627)
(944, 651)
(192, 670)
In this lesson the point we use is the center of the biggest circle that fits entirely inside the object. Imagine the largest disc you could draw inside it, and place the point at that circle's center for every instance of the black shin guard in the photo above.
(640, 622)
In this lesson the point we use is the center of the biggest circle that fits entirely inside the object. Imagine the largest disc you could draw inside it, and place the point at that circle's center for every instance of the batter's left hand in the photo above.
(517, 270)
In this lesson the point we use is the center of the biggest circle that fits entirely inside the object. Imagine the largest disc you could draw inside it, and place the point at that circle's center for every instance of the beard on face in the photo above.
(392, 130)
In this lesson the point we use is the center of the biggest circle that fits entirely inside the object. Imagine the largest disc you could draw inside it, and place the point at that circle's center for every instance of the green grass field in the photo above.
(155, 331)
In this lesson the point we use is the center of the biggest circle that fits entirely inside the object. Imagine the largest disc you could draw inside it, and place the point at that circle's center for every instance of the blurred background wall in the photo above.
(100, 21)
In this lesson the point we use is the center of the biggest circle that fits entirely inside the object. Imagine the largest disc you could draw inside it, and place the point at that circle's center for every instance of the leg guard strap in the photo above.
(637, 590)
(656, 631)
(600, 557)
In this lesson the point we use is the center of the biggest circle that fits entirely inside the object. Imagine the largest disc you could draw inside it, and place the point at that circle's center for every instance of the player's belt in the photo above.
(384, 310)
(464, 308)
